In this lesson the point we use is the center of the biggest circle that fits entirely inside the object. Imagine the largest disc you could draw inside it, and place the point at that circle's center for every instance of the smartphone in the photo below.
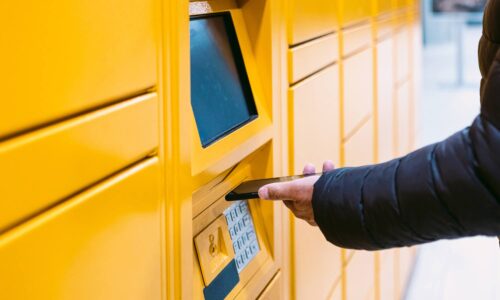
(249, 189)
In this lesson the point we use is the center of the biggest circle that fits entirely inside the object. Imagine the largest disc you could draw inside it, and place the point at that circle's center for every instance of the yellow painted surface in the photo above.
(214, 249)
(48, 165)
(387, 276)
(384, 6)
(385, 94)
(356, 39)
(272, 291)
(403, 119)
(358, 90)
(315, 103)
(309, 58)
(402, 39)
(354, 11)
(359, 148)
(66, 128)
(360, 276)
(59, 58)
(311, 19)
(101, 244)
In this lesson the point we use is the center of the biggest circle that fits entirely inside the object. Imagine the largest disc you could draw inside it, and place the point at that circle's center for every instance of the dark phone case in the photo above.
(248, 194)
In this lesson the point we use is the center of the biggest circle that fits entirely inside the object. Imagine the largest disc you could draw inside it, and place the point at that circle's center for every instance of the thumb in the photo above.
(277, 191)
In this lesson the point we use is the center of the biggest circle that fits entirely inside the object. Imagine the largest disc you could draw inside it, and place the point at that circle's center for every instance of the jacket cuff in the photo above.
(338, 208)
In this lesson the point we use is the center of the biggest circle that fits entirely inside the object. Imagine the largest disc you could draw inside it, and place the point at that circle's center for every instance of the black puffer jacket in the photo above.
(443, 191)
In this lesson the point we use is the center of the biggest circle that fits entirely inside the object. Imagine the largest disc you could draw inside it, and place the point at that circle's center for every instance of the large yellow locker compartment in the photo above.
(109, 189)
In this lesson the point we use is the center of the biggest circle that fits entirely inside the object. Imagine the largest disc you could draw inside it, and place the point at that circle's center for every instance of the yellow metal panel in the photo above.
(315, 103)
(359, 148)
(336, 293)
(385, 81)
(385, 28)
(387, 280)
(403, 44)
(358, 90)
(311, 19)
(45, 166)
(317, 263)
(102, 244)
(403, 119)
(384, 6)
(63, 57)
(273, 289)
(360, 276)
(356, 39)
(308, 58)
(355, 11)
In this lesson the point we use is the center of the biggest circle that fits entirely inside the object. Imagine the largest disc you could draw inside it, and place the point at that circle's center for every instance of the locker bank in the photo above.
(123, 125)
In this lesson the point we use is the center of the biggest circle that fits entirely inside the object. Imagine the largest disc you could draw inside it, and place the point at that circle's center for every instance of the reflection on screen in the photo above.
(221, 97)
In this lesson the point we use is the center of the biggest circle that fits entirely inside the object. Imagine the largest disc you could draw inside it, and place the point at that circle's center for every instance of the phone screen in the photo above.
(249, 189)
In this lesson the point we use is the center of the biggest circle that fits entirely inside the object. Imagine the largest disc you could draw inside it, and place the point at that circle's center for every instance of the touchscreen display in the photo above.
(221, 97)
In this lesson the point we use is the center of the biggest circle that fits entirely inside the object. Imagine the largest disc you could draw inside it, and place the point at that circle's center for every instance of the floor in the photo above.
(467, 268)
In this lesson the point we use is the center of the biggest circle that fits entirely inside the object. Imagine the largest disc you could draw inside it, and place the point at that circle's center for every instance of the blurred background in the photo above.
(468, 268)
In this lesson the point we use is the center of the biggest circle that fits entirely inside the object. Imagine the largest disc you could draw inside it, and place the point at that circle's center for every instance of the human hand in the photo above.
(297, 194)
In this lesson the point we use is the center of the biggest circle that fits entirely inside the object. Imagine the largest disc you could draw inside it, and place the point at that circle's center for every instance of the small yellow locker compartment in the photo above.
(354, 11)
(101, 244)
(311, 19)
(60, 58)
(46, 166)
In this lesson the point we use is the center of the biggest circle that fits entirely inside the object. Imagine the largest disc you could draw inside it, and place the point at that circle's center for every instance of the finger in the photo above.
(288, 204)
(309, 169)
(328, 166)
(278, 191)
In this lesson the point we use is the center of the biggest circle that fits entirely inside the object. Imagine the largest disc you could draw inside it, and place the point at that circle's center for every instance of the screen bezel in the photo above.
(228, 151)
(242, 74)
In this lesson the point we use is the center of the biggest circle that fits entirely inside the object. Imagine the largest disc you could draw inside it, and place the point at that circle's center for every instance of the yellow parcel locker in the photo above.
(315, 104)
(101, 244)
(60, 58)
(311, 19)
(45, 166)
(231, 142)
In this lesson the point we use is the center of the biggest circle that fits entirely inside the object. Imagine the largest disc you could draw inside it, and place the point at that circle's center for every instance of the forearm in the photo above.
(440, 191)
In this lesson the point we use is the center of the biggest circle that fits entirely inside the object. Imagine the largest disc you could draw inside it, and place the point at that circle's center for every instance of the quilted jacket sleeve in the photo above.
(443, 191)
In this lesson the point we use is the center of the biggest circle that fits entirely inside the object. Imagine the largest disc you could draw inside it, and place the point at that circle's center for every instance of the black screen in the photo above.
(221, 97)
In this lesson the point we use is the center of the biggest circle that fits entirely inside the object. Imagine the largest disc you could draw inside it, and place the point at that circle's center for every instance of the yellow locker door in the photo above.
(358, 91)
(354, 11)
(316, 138)
(387, 275)
(101, 244)
(360, 276)
(385, 81)
(403, 116)
(60, 58)
(311, 19)
(48, 165)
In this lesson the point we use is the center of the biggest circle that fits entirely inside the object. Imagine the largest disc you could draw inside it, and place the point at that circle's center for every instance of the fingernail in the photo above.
(264, 193)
